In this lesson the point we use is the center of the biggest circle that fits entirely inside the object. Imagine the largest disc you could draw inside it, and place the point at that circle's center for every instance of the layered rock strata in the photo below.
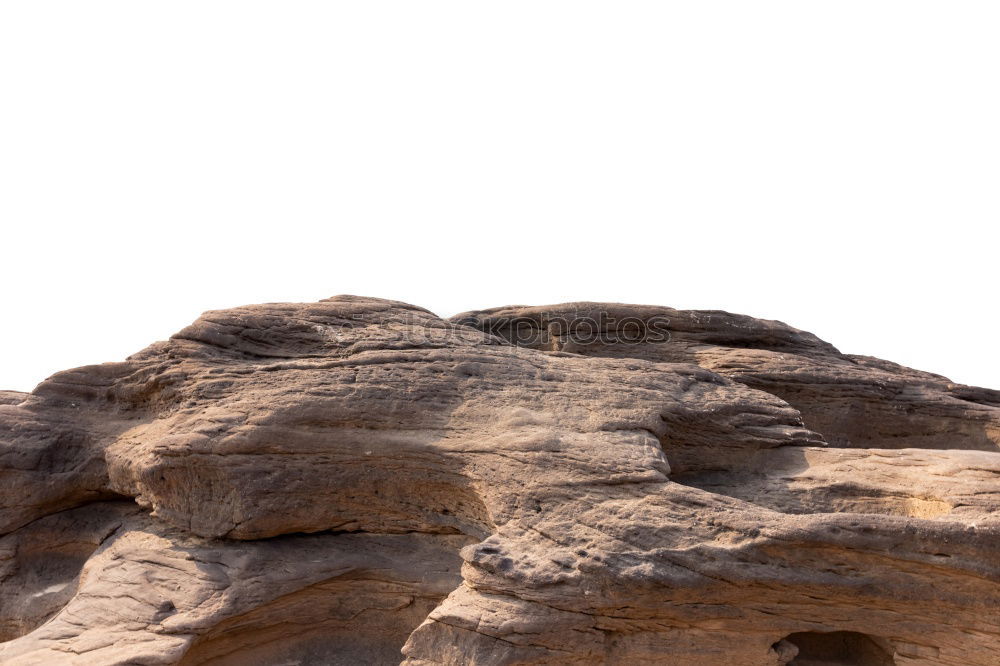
(359, 481)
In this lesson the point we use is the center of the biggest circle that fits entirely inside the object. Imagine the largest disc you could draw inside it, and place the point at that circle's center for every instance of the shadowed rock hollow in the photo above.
(357, 481)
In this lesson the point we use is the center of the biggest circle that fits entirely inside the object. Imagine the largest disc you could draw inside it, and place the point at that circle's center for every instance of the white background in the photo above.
(835, 165)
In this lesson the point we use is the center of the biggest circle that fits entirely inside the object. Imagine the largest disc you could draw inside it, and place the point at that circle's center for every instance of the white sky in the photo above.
(834, 165)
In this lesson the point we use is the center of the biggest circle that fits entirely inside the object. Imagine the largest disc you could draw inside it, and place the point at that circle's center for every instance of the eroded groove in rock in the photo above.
(919, 483)
(40, 563)
(345, 622)
(840, 647)
(360, 481)
(156, 595)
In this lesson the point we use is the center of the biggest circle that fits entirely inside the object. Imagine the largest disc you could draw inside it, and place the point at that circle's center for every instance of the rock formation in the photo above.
(357, 481)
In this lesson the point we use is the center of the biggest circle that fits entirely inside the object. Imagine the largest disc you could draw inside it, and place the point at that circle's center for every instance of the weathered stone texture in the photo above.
(359, 481)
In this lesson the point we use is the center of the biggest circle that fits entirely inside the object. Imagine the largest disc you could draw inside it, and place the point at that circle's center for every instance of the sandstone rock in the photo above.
(852, 400)
(155, 595)
(359, 481)
(12, 397)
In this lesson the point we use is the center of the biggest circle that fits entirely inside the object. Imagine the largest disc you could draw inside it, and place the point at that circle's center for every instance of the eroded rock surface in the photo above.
(359, 481)
(853, 400)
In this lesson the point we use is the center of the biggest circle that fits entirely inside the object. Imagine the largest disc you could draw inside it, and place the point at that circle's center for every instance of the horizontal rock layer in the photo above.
(855, 401)
(359, 481)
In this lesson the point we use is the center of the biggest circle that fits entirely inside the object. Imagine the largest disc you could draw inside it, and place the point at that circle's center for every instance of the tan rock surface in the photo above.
(359, 481)
(852, 400)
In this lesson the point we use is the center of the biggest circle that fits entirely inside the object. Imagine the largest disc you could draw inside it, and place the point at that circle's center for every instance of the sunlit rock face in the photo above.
(357, 481)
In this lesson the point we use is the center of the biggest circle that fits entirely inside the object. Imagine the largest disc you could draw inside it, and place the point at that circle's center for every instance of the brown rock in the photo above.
(854, 401)
(309, 478)
(12, 397)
